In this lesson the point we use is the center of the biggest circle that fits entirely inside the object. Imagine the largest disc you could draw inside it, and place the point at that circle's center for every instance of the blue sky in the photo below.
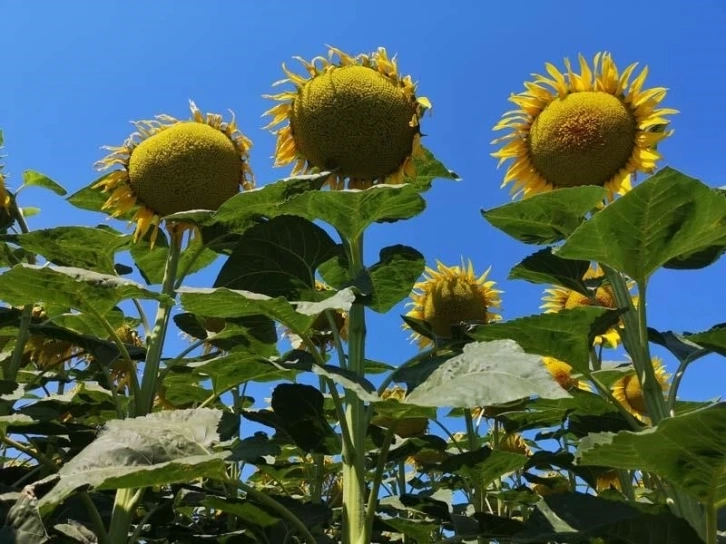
(75, 73)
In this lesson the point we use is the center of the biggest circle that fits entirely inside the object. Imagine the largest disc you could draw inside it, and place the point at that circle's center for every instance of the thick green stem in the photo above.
(711, 524)
(377, 479)
(354, 506)
(124, 508)
(145, 402)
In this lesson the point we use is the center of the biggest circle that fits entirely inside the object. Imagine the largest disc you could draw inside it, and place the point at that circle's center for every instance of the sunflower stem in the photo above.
(124, 508)
(377, 479)
(354, 506)
(711, 524)
(144, 403)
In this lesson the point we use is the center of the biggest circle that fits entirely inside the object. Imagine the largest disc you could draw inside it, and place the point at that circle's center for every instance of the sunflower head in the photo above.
(551, 483)
(169, 166)
(608, 480)
(628, 392)
(561, 298)
(562, 373)
(356, 116)
(514, 443)
(452, 295)
(320, 332)
(596, 127)
(404, 427)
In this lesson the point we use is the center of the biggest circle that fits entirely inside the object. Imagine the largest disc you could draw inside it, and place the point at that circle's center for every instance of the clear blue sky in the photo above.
(75, 73)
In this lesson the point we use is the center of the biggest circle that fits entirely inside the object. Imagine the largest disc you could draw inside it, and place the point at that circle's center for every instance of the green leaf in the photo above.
(667, 216)
(352, 211)
(278, 258)
(420, 530)
(681, 346)
(69, 287)
(24, 524)
(713, 339)
(247, 512)
(486, 373)
(236, 368)
(152, 262)
(546, 218)
(156, 449)
(82, 247)
(566, 335)
(689, 450)
(393, 276)
(575, 517)
(484, 465)
(15, 420)
(93, 200)
(545, 267)
(223, 302)
(36, 179)
(429, 168)
(300, 409)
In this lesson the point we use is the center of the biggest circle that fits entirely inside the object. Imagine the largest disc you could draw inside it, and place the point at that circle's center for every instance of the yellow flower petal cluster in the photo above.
(562, 373)
(595, 127)
(628, 392)
(451, 295)
(170, 166)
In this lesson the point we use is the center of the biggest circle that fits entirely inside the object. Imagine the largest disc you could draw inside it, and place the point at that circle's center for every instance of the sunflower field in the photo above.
(557, 427)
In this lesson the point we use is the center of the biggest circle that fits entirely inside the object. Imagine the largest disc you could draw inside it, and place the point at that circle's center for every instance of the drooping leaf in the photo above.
(486, 373)
(82, 247)
(665, 217)
(566, 335)
(575, 517)
(69, 287)
(352, 211)
(278, 257)
(23, 524)
(689, 450)
(300, 407)
(545, 267)
(679, 345)
(420, 530)
(14, 420)
(160, 448)
(546, 218)
(393, 276)
(484, 465)
(244, 510)
(713, 339)
(237, 368)
(429, 168)
(36, 179)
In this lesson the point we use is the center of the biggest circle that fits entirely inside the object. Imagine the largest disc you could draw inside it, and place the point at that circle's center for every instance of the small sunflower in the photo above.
(356, 116)
(514, 443)
(562, 373)
(561, 298)
(450, 296)
(171, 166)
(120, 371)
(4, 195)
(608, 480)
(404, 427)
(47, 352)
(627, 390)
(592, 128)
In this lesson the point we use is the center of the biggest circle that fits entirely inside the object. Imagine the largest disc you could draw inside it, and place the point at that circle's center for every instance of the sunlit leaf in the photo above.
(486, 373)
(151, 262)
(566, 335)
(393, 276)
(36, 179)
(713, 339)
(82, 247)
(689, 450)
(667, 216)
(548, 217)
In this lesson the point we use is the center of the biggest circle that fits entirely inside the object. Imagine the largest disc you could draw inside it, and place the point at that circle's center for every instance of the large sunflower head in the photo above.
(452, 295)
(170, 165)
(593, 128)
(562, 373)
(356, 116)
(628, 392)
(560, 298)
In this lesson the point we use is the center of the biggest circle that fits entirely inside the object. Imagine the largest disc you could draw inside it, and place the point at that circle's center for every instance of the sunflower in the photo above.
(514, 443)
(4, 195)
(44, 351)
(561, 298)
(592, 128)
(404, 427)
(171, 166)
(608, 480)
(627, 390)
(356, 116)
(562, 373)
(450, 296)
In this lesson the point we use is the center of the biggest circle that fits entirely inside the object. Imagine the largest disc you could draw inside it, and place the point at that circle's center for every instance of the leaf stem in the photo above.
(673, 392)
(711, 524)
(272, 504)
(155, 340)
(377, 478)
